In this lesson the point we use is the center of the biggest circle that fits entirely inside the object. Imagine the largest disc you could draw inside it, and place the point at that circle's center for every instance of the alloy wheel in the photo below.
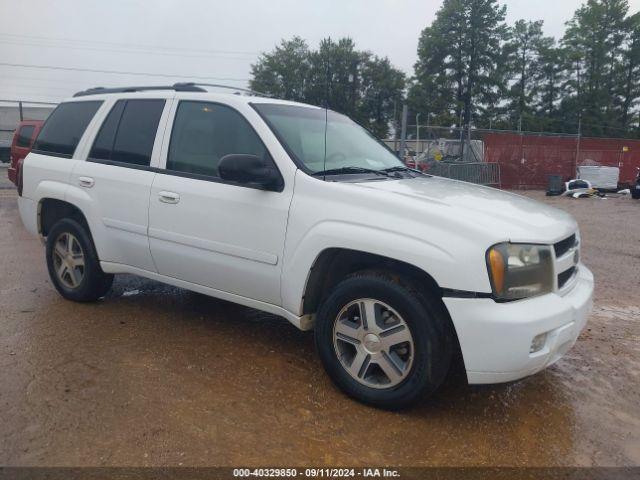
(68, 260)
(373, 343)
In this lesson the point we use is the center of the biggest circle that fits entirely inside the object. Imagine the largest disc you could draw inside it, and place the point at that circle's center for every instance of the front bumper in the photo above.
(495, 338)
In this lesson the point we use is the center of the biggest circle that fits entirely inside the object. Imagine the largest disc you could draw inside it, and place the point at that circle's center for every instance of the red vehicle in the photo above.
(23, 139)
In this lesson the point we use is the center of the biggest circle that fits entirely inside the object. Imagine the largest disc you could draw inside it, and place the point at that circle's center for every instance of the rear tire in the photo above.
(394, 361)
(73, 263)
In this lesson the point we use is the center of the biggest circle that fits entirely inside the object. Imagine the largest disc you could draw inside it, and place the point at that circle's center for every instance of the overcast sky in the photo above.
(214, 41)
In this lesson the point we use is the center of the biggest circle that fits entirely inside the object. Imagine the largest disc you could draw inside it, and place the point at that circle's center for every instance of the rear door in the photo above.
(115, 180)
(57, 147)
(204, 230)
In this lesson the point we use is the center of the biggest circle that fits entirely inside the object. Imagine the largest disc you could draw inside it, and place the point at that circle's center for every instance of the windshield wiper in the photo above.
(347, 170)
(402, 168)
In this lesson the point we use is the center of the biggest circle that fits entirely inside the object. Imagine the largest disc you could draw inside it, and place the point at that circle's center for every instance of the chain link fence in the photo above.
(505, 159)
(13, 112)
(513, 160)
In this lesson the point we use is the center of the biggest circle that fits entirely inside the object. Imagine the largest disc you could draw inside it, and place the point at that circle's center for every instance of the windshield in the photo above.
(348, 145)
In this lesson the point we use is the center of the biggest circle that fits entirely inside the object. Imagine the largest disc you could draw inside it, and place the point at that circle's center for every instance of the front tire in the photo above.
(73, 263)
(383, 342)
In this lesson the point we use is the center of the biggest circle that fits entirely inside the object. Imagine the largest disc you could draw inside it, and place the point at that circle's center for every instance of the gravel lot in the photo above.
(154, 376)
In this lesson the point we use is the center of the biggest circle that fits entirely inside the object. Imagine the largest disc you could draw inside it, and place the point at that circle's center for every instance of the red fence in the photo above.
(526, 161)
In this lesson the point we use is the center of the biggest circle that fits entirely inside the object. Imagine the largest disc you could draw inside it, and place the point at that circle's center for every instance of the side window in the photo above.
(128, 133)
(103, 144)
(64, 128)
(205, 132)
(24, 136)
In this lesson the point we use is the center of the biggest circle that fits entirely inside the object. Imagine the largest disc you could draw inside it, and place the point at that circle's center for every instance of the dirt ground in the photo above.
(157, 376)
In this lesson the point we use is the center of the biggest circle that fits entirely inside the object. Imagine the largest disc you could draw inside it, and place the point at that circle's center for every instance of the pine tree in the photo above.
(526, 48)
(628, 83)
(593, 42)
(457, 55)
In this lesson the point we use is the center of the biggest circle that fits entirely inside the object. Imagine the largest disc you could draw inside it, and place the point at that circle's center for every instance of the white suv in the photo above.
(298, 211)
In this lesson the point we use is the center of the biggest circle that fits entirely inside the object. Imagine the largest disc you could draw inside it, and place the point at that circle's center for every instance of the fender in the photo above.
(50, 189)
(433, 259)
(82, 201)
(46, 189)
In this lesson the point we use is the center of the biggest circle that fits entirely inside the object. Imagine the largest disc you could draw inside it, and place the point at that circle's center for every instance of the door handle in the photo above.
(86, 182)
(168, 197)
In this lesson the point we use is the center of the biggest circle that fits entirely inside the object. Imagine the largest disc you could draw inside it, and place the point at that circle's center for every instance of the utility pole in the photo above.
(471, 151)
(20, 108)
(417, 136)
(395, 127)
(578, 143)
(403, 132)
(428, 136)
(461, 136)
(522, 159)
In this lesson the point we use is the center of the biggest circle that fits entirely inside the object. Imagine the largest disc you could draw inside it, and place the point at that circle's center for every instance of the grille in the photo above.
(564, 246)
(565, 276)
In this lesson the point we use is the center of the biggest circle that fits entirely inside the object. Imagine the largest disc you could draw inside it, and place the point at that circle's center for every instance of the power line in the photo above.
(221, 55)
(117, 72)
(46, 80)
(30, 102)
(131, 45)
(12, 85)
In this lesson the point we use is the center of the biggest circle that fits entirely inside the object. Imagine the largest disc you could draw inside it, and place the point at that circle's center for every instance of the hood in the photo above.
(505, 215)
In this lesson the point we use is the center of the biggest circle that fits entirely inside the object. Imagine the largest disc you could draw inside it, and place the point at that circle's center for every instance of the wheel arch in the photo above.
(334, 264)
(51, 210)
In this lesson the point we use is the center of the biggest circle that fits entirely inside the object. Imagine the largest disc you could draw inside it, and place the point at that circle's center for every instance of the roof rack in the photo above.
(217, 85)
(178, 87)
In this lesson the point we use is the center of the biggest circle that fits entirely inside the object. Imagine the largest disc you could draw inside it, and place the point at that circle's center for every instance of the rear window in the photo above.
(24, 136)
(64, 128)
(128, 133)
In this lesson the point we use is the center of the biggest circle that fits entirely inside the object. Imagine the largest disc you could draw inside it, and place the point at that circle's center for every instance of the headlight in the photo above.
(520, 271)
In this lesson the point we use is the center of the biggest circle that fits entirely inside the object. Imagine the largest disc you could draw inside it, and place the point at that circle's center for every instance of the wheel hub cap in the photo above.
(68, 260)
(373, 343)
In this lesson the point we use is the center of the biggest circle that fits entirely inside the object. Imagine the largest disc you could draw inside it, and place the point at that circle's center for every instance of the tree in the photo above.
(490, 108)
(336, 75)
(593, 43)
(549, 77)
(284, 71)
(434, 89)
(525, 49)
(457, 56)
(381, 90)
(629, 72)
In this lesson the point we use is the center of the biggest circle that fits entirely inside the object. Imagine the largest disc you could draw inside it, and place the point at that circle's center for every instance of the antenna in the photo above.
(326, 121)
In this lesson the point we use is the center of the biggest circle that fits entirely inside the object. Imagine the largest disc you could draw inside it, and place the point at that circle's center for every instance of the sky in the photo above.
(211, 41)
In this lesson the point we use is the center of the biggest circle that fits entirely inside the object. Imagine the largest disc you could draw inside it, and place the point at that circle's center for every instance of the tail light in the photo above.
(20, 177)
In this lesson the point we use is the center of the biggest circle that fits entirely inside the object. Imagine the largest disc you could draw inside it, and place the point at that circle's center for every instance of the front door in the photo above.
(202, 230)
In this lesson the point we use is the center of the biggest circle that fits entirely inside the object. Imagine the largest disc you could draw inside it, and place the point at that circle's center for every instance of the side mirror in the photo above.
(249, 169)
